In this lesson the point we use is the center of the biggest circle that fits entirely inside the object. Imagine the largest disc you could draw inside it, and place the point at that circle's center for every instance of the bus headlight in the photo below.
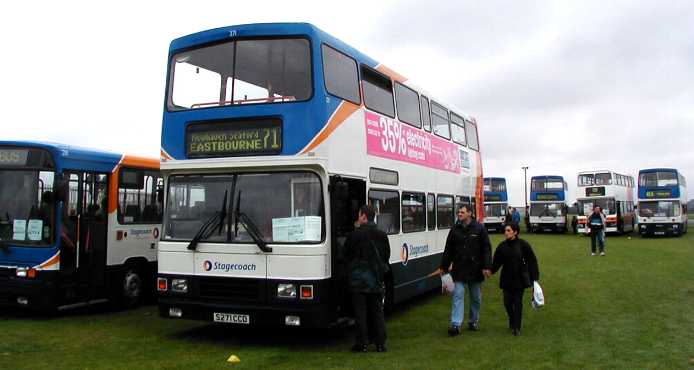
(179, 285)
(23, 272)
(286, 291)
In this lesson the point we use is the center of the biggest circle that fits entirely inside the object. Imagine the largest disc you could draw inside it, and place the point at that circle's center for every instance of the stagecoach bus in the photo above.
(273, 135)
(662, 202)
(614, 193)
(548, 208)
(495, 203)
(77, 226)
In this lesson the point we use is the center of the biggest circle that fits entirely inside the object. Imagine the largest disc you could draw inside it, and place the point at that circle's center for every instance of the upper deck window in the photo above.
(378, 92)
(426, 117)
(408, 105)
(471, 129)
(661, 178)
(603, 178)
(547, 185)
(458, 129)
(586, 179)
(439, 118)
(497, 185)
(341, 75)
(241, 72)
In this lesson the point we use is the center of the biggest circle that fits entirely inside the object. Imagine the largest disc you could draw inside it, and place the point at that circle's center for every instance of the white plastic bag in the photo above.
(447, 285)
(538, 297)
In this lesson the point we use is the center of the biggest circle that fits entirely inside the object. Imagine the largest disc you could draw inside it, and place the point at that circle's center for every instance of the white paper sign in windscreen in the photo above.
(19, 229)
(296, 229)
(35, 230)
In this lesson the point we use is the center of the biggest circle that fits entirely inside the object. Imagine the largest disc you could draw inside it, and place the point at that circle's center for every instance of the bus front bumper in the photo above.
(548, 227)
(665, 229)
(494, 226)
(37, 293)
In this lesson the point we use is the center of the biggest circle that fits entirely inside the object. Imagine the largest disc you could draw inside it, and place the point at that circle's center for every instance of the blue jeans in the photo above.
(597, 237)
(475, 292)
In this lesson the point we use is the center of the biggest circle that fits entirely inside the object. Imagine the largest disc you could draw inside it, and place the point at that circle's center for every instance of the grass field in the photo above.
(633, 309)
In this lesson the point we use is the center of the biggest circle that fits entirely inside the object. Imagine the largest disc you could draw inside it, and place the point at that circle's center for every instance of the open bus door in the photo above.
(346, 196)
(83, 248)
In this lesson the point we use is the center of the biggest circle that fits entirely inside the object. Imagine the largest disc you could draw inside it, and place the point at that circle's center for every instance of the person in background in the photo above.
(596, 226)
(469, 250)
(515, 216)
(519, 268)
(367, 252)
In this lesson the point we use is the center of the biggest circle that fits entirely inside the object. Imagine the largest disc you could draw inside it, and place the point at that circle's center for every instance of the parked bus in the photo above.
(77, 226)
(273, 136)
(662, 202)
(495, 203)
(613, 192)
(548, 207)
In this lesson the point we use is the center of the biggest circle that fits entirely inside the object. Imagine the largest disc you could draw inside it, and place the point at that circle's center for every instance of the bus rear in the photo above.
(662, 202)
(495, 203)
(548, 208)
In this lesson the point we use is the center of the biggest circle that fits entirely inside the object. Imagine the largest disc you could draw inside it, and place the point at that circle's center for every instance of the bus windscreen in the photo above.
(27, 207)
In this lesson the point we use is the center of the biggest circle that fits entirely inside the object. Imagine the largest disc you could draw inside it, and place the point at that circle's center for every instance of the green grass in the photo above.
(631, 309)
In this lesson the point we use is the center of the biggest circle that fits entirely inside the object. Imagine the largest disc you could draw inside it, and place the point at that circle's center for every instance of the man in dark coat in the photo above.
(469, 249)
(367, 252)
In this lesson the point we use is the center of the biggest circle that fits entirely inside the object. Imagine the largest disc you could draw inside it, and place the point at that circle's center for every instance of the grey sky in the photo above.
(557, 86)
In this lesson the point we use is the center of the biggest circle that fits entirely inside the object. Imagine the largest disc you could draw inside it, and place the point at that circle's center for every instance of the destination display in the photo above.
(14, 157)
(234, 138)
(595, 191)
(659, 194)
(34, 158)
(492, 198)
(547, 197)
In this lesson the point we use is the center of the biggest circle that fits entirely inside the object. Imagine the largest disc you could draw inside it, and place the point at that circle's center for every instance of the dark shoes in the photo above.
(454, 330)
(359, 348)
(381, 348)
(473, 326)
(516, 332)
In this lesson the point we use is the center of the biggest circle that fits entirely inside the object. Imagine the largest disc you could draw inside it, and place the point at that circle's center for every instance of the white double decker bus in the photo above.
(273, 136)
(613, 192)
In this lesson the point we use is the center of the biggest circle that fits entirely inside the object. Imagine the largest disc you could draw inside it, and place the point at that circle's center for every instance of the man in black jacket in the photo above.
(469, 249)
(367, 253)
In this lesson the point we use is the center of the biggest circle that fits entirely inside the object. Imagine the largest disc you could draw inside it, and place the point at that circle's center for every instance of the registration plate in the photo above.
(231, 318)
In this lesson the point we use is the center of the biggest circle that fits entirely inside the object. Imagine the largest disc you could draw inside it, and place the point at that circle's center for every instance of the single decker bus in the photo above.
(273, 136)
(548, 207)
(495, 203)
(662, 202)
(77, 226)
(613, 192)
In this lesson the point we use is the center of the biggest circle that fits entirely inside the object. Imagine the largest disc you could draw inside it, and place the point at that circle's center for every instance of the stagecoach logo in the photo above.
(226, 267)
(412, 251)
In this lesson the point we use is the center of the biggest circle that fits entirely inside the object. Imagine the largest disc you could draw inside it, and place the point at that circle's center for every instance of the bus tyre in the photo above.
(132, 286)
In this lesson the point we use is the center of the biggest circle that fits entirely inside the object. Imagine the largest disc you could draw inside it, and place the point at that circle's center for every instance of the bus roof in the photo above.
(495, 178)
(548, 177)
(650, 170)
(76, 157)
(296, 29)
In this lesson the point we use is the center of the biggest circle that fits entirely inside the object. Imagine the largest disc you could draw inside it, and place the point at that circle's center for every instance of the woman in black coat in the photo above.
(519, 271)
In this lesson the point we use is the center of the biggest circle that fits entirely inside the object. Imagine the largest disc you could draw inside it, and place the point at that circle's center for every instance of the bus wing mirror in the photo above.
(61, 189)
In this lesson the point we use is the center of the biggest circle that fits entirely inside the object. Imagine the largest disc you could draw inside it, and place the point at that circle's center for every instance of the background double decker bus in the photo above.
(495, 203)
(77, 226)
(613, 192)
(662, 202)
(548, 207)
(273, 136)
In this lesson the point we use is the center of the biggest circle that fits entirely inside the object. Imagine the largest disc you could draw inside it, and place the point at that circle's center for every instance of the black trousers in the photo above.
(368, 312)
(513, 301)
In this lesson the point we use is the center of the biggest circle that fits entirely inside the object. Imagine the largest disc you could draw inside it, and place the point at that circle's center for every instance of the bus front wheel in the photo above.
(132, 287)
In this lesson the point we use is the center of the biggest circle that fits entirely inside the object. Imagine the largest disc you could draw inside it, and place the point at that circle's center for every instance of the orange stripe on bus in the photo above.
(129, 161)
(55, 259)
(391, 73)
(140, 162)
(345, 110)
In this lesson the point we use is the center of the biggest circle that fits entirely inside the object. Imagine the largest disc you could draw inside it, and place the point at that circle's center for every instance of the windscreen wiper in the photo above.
(208, 227)
(249, 225)
(254, 232)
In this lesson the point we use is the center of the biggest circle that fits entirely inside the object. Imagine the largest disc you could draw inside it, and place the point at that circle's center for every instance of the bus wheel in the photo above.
(132, 286)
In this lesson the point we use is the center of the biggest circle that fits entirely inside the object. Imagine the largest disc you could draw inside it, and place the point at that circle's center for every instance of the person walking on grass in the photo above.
(367, 252)
(596, 227)
(469, 250)
(519, 268)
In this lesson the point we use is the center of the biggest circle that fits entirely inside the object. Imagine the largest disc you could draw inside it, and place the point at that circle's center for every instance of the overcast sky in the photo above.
(556, 86)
